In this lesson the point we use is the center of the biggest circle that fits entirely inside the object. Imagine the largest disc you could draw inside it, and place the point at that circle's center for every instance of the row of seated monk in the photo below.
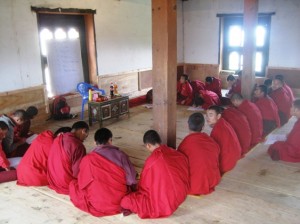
(103, 182)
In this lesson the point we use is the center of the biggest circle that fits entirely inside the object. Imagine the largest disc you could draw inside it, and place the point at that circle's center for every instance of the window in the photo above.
(233, 43)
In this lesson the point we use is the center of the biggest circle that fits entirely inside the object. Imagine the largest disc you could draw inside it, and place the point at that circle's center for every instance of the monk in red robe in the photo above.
(213, 84)
(32, 170)
(203, 155)
(225, 136)
(268, 109)
(287, 89)
(235, 85)
(184, 91)
(65, 156)
(282, 100)
(289, 150)
(105, 176)
(240, 124)
(164, 181)
(206, 98)
(197, 85)
(253, 114)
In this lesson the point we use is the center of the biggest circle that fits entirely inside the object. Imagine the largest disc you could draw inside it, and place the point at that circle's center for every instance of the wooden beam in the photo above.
(164, 56)
(250, 22)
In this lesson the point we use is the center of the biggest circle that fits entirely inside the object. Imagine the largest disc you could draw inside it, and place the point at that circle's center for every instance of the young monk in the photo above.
(268, 109)
(17, 118)
(105, 175)
(282, 100)
(184, 91)
(6, 172)
(241, 126)
(164, 181)
(203, 155)
(32, 170)
(225, 136)
(65, 156)
(253, 114)
(286, 88)
(206, 98)
(213, 84)
(289, 150)
(235, 85)
(197, 85)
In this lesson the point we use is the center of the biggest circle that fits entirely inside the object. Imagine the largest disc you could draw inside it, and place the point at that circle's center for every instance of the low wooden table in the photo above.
(112, 108)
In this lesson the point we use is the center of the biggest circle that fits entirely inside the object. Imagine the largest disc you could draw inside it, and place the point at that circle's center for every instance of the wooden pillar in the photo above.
(164, 57)
(250, 22)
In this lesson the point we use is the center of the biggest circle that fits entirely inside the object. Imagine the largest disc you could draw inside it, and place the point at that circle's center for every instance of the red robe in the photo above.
(269, 112)
(185, 92)
(163, 186)
(197, 85)
(236, 87)
(240, 125)
(230, 148)
(215, 86)
(288, 150)
(254, 117)
(283, 102)
(4, 163)
(210, 98)
(63, 162)
(32, 170)
(203, 155)
(100, 186)
(289, 92)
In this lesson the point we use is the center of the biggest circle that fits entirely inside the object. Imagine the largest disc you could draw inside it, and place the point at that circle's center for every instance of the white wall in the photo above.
(201, 30)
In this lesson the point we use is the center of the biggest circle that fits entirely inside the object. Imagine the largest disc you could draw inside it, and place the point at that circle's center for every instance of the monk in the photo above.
(286, 87)
(253, 114)
(289, 150)
(164, 181)
(184, 91)
(268, 109)
(282, 100)
(197, 85)
(105, 176)
(206, 98)
(17, 118)
(213, 84)
(7, 173)
(65, 156)
(203, 155)
(225, 136)
(32, 170)
(241, 126)
(235, 85)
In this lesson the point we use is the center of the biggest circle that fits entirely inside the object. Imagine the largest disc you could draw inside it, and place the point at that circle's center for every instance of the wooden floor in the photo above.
(258, 190)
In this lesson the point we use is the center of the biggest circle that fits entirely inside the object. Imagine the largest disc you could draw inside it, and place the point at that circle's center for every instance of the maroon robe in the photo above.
(63, 163)
(32, 170)
(254, 117)
(288, 150)
(210, 98)
(203, 155)
(185, 92)
(4, 163)
(269, 112)
(240, 125)
(197, 85)
(163, 186)
(236, 87)
(289, 92)
(283, 102)
(230, 148)
(215, 86)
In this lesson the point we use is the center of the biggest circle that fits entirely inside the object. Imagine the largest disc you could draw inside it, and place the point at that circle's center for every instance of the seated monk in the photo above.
(164, 181)
(203, 155)
(286, 88)
(240, 125)
(197, 85)
(289, 150)
(184, 91)
(268, 109)
(65, 156)
(235, 85)
(7, 173)
(206, 98)
(32, 170)
(282, 100)
(213, 84)
(253, 114)
(225, 136)
(105, 176)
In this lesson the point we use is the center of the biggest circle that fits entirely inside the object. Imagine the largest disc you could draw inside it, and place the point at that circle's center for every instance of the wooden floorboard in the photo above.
(258, 190)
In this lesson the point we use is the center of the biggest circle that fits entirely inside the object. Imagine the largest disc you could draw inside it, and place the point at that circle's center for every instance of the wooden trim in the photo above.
(62, 10)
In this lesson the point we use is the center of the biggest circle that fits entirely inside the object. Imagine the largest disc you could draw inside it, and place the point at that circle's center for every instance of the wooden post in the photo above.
(250, 22)
(164, 56)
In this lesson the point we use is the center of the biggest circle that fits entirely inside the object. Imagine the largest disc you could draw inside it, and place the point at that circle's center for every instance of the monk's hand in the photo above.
(126, 212)
(182, 102)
